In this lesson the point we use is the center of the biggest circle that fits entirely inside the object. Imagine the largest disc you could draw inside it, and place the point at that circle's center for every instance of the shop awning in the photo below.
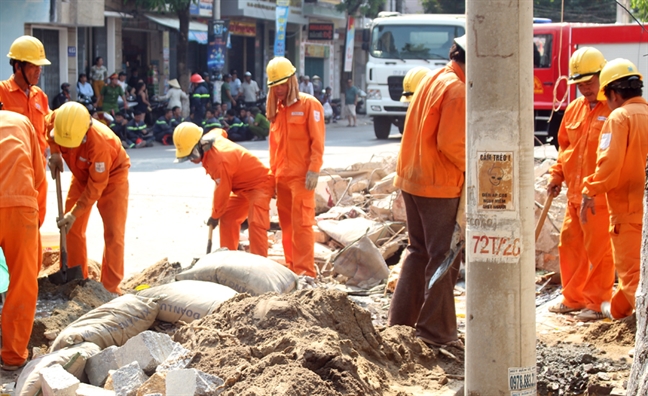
(197, 30)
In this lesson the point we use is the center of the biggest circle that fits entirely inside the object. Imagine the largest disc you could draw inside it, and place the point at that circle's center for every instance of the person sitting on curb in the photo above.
(259, 124)
(137, 132)
(119, 127)
(211, 122)
(163, 130)
(177, 117)
(237, 130)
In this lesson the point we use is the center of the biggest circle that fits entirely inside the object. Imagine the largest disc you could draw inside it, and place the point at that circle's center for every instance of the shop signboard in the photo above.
(320, 31)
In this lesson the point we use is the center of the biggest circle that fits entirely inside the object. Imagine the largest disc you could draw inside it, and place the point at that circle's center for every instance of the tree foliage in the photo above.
(640, 8)
(368, 8)
(443, 6)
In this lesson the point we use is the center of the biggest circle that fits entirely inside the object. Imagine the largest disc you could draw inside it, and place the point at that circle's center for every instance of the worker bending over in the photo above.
(99, 166)
(244, 186)
(296, 150)
(620, 175)
(586, 265)
(22, 210)
(433, 139)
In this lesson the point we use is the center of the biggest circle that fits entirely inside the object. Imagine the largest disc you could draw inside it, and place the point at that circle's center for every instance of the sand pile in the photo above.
(620, 332)
(311, 342)
(160, 273)
(51, 264)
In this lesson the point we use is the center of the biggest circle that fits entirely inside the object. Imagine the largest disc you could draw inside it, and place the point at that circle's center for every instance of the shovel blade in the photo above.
(65, 274)
(446, 264)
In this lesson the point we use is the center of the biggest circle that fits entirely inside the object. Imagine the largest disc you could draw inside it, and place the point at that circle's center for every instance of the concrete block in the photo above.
(192, 382)
(179, 358)
(148, 348)
(99, 365)
(384, 186)
(154, 385)
(320, 236)
(127, 380)
(90, 390)
(55, 381)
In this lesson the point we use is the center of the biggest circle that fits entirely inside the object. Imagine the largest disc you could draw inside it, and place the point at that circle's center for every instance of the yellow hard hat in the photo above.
(614, 70)
(279, 70)
(584, 64)
(71, 124)
(28, 49)
(185, 137)
(411, 81)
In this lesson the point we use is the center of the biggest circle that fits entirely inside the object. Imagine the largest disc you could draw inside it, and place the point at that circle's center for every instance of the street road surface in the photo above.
(169, 203)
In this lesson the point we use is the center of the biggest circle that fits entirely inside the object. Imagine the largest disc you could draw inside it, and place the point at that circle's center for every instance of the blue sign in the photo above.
(72, 52)
(280, 36)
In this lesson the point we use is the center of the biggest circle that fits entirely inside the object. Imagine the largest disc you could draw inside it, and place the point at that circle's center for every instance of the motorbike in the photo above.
(132, 102)
(86, 102)
(158, 107)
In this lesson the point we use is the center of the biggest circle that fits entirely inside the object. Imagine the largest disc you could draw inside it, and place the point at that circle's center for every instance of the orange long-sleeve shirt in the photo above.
(432, 158)
(234, 169)
(578, 138)
(35, 107)
(621, 162)
(100, 159)
(22, 176)
(297, 138)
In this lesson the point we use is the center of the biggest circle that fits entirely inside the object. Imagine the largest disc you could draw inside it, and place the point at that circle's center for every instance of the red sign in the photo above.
(320, 31)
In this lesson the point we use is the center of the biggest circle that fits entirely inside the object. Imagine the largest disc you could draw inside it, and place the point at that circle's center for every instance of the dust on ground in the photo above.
(621, 332)
(60, 305)
(312, 342)
(160, 273)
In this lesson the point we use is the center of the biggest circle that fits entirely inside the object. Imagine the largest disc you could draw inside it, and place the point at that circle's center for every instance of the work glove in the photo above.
(311, 180)
(212, 222)
(55, 164)
(66, 222)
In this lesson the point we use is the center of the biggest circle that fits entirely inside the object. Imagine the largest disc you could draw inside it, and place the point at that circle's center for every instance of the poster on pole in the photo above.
(282, 11)
(350, 40)
(216, 48)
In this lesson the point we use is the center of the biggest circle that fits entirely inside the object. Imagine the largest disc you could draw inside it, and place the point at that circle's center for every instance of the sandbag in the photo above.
(243, 272)
(349, 230)
(113, 323)
(73, 360)
(362, 263)
(188, 300)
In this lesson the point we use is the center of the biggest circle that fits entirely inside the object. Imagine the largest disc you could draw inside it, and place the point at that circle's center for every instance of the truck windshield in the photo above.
(413, 41)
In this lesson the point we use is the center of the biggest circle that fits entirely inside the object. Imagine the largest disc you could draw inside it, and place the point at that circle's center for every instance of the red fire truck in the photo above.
(554, 43)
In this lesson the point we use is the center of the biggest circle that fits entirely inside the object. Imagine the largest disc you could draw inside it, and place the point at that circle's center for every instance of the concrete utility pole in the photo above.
(500, 246)
(217, 13)
(622, 15)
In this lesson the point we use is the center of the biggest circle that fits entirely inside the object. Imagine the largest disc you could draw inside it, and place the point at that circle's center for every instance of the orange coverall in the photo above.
(99, 174)
(22, 183)
(586, 264)
(244, 187)
(297, 146)
(35, 107)
(620, 174)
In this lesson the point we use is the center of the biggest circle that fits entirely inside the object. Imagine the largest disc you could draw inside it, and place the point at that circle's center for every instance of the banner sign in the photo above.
(350, 39)
(282, 22)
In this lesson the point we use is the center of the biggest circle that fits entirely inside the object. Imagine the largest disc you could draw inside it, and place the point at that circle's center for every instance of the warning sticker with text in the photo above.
(522, 378)
(495, 180)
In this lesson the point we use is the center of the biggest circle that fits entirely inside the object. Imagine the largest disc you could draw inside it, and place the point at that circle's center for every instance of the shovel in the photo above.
(65, 274)
(458, 241)
(209, 238)
(543, 215)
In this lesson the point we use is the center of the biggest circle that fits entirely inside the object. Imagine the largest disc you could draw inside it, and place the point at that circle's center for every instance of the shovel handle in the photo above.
(543, 215)
(209, 238)
(63, 231)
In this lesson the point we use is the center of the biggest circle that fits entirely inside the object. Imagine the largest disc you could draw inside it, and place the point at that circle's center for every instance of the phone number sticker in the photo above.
(528, 392)
(521, 379)
(500, 246)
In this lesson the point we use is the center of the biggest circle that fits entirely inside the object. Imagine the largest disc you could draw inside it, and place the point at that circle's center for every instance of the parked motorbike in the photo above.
(86, 101)
(158, 107)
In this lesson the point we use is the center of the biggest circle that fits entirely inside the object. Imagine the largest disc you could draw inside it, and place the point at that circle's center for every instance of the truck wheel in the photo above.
(382, 127)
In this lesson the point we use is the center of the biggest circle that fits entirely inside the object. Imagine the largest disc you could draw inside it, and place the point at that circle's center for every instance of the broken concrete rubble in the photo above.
(58, 382)
(90, 390)
(126, 380)
(148, 349)
(192, 382)
(154, 385)
(98, 366)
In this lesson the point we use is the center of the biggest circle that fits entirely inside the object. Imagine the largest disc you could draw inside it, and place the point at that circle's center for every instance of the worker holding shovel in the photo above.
(22, 184)
(586, 265)
(244, 186)
(99, 166)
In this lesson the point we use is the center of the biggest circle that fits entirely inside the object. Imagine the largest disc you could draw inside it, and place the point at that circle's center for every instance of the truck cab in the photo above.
(395, 44)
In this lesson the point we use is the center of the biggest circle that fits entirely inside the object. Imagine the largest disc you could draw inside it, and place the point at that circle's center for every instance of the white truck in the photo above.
(395, 44)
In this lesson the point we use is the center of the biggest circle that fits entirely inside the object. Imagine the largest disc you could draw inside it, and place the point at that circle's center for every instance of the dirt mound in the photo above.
(620, 332)
(311, 342)
(58, 306)
(160, 273)
(573, 369)
(51, 265)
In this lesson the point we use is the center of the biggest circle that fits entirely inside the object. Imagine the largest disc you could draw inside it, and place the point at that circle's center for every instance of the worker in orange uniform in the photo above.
(586, 265)
(244, 186)
(620, 175)
(22, 183)
(99, 166)
(296, 145)
(430, 173)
